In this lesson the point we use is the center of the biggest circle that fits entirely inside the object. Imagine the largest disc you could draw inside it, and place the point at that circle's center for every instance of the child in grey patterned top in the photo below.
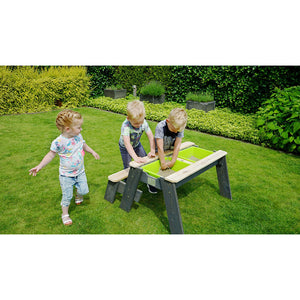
(169, 134)
(131, 132)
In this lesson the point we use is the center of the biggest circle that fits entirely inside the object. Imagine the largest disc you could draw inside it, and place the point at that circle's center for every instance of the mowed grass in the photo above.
(264, 184)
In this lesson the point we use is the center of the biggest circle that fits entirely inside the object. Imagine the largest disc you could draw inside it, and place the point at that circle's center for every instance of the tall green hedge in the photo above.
(31, 89)
(101, 77)
(241, 88)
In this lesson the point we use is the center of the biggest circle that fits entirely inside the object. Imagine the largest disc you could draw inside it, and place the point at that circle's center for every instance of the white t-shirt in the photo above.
(71, 154)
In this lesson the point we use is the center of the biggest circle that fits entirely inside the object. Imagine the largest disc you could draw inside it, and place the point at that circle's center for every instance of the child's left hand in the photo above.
(151, 154)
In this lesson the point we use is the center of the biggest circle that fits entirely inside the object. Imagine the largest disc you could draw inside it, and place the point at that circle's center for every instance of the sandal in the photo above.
(66, 220)
(78, 199)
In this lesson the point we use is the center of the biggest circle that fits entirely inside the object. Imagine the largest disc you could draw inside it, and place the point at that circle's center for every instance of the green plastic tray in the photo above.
(194, 154)
(153, 168)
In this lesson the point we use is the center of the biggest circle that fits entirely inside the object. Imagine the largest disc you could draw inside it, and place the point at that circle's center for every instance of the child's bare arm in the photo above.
(161, 154)
(45, 161)
(152, 143)
(131, 152)
(90, 150)
(177, 145)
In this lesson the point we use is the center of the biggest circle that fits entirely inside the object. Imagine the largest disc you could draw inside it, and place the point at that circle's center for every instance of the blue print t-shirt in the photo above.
(134, 133)
(71, 154)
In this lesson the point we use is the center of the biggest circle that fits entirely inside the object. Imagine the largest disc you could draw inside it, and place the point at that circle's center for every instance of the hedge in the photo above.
(219, 122)
(100, 77)
(241, 88)
(26, 89)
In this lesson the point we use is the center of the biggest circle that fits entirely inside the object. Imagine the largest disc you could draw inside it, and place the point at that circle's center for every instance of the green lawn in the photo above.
(264, 184)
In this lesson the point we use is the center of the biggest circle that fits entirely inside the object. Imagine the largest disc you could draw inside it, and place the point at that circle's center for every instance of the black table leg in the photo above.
(172, 206)
(223, 178)
(130, 190)
(111, 190)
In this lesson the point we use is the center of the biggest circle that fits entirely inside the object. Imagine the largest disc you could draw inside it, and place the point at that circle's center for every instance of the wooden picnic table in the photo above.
(169, 184)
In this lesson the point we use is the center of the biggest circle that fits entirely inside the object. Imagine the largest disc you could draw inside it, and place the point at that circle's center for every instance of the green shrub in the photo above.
(199, 97)
(241, 88)
(115, 87)
(153, 88)
(100, 77)
(29, 89)
(219, 121)
(279, 120)
(141, 75)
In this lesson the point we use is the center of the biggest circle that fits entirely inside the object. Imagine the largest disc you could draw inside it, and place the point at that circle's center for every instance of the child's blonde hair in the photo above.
(178, 118)
(135, 110)
(65, 119)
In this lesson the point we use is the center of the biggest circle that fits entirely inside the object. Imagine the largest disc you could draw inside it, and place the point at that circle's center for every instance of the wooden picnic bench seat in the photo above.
(121, 175)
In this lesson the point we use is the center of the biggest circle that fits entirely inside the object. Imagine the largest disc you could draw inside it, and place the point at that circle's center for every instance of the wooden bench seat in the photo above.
(121, 175)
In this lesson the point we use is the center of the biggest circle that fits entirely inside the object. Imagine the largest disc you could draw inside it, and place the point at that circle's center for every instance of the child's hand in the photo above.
(141, 160)
(171, 164)
(151, 154)
(165, 165)
(96, 155)
(34, 171)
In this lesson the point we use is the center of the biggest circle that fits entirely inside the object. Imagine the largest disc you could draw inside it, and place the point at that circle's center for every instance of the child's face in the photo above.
(171, 126)
(75, 129)
(137, 123)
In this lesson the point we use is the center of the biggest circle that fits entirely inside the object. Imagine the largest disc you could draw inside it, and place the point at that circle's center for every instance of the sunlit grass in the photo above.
(264, 185)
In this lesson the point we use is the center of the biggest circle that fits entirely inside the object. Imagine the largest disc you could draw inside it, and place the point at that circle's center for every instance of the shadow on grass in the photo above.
(156, 202)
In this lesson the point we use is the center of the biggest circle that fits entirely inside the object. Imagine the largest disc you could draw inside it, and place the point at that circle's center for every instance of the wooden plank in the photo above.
(183, 145)
(121, 175)
(189, 170)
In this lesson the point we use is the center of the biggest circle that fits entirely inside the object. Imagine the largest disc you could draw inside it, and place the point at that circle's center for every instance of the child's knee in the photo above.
(83, 190)
(82, 186)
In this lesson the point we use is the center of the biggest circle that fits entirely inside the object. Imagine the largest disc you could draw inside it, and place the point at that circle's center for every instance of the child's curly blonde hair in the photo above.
(135, 110)
(66, 118)
(178, 118)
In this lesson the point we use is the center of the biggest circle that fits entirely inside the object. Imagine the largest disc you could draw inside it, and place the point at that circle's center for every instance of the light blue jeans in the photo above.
(67, 183)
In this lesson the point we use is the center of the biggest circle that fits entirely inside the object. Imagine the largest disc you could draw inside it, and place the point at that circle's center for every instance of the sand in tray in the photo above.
(165, 173)
(194, 158)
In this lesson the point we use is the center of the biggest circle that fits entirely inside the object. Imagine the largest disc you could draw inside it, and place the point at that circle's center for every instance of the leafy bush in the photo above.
(29, 89)
(100, 77)
(153, 88)
(279, 120)
(199, 97)
(241, 88)
(115, 87)
(219, 122)
(141, 75)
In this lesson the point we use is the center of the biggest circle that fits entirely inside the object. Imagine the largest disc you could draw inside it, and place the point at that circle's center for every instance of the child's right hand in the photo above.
(165, 165)
(34, 171)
